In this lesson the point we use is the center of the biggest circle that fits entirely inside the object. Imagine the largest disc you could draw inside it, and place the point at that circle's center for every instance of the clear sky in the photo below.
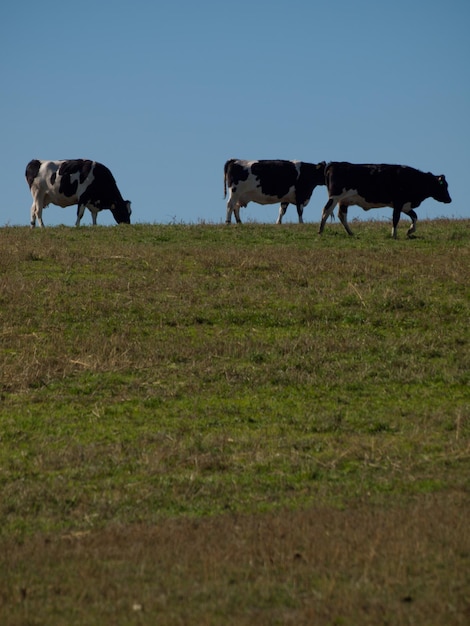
(164, 92)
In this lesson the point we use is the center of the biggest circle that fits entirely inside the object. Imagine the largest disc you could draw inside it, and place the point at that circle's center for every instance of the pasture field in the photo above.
(208, 425)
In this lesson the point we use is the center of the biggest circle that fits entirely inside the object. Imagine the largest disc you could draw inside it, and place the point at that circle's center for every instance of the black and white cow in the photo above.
(373, 186)
(270, 182)
(80, 181)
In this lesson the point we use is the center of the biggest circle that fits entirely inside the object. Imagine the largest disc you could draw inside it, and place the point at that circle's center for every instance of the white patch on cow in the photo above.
(250, 190)
(348, 197)
(351, 197)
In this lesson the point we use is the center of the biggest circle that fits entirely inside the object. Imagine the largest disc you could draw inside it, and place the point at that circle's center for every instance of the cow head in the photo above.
(441, 193)
(122, 212)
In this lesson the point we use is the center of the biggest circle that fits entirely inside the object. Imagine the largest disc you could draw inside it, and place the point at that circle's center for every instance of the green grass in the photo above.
(155, 380)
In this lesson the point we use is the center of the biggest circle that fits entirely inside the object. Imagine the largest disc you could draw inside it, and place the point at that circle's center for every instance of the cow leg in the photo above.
(395, 220)
(236, 212)
(233, 207)
(94, 210)
(94, 213)
(300, 212)
(282, 211)
(36, 213)
(33, 215)
(414, 219)
(327, 211)
(230, 208)
(343, 216)
(80, 212)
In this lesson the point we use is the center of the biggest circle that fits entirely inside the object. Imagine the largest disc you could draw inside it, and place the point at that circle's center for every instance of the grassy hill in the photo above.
(207, 424)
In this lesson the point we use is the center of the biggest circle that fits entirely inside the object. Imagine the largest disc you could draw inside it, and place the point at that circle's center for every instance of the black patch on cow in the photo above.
(67, 187)
(235, 173)
(72, 166)
(275, 177)
(53, 177)
(67, 169)
(32, 170)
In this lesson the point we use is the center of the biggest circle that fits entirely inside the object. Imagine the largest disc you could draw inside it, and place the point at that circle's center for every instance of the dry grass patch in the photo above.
(360, 565)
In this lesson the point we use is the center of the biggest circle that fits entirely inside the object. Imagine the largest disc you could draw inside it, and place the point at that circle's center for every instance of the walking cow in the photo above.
(80, 181)
(269, 182)
(372, 186)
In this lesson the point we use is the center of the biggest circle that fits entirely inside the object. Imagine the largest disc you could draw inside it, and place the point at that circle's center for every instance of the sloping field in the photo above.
(235, 425)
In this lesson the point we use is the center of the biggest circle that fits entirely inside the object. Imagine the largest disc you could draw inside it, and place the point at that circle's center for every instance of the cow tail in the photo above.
(226, 174)
(225, 178)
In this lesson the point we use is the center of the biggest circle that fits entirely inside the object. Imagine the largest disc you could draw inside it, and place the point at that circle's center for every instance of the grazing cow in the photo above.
(372, 186)
(82, 182)
(270, 182)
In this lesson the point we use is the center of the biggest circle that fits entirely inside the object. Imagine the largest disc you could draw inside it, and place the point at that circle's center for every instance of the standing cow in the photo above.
(80, 181)
(373, 186)
(270, 182)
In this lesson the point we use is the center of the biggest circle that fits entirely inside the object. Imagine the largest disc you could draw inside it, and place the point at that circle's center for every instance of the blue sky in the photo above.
(164, 93)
